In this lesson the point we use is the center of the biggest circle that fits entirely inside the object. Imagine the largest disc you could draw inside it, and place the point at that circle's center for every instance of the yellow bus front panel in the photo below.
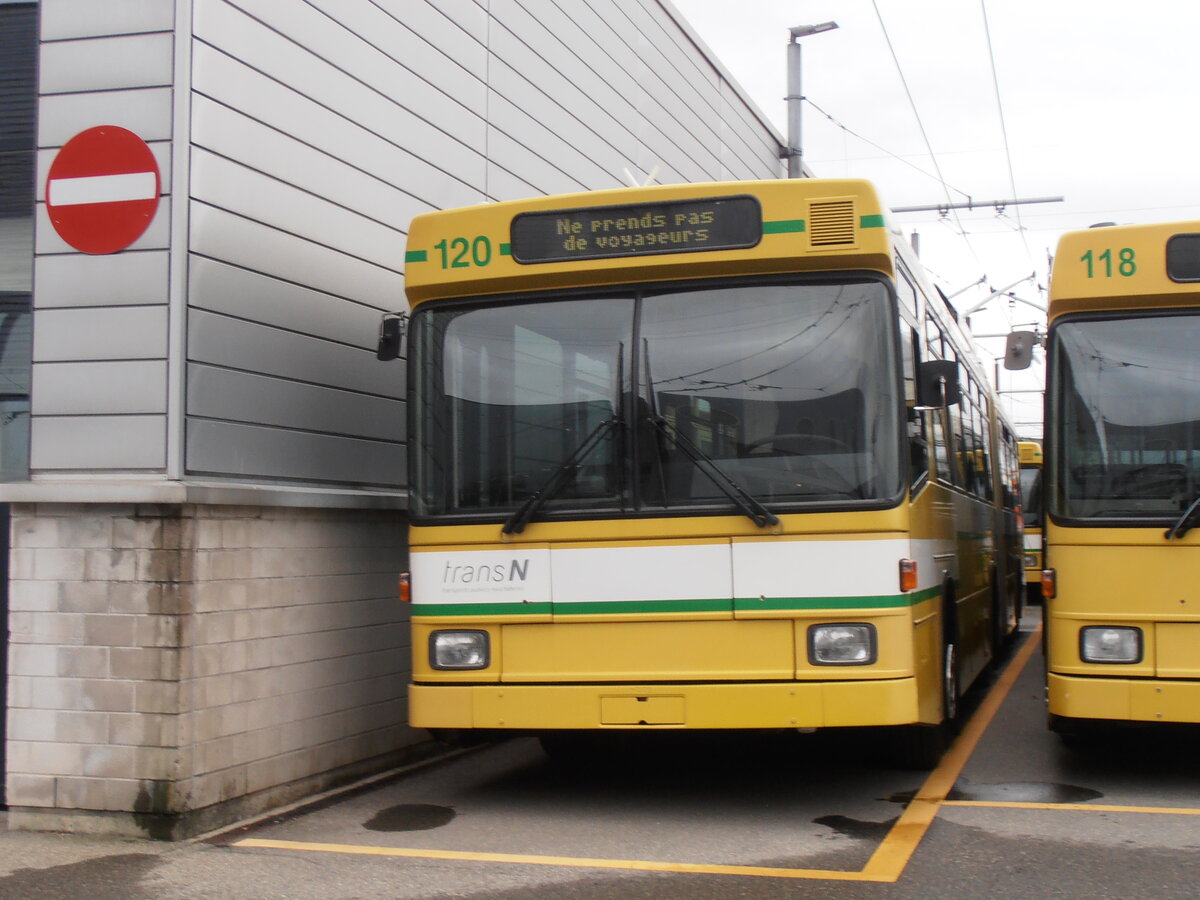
(755, 650)
(1127, 581)
(1124, 699)
(578, 660)
(693, 706)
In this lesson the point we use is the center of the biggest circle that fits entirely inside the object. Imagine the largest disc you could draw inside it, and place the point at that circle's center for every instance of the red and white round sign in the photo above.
(102, 189)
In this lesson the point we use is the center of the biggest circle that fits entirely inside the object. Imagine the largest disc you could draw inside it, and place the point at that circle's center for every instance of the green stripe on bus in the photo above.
(482, 609)
(884, 601)
(506, 249)
(784, 226)
(416, 256)
(604, 607)
(718, 604)
(871, 222)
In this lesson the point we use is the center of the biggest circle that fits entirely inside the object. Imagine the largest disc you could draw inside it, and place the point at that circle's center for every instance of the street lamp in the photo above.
(795, 154)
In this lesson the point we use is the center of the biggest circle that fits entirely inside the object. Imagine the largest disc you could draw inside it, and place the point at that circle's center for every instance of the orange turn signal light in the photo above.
(405, 588)
(1049, 583)
(908, 575)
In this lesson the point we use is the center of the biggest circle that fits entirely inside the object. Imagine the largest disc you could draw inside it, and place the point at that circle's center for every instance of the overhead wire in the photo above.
(896, 156)
(1012, 181)
(924, 135)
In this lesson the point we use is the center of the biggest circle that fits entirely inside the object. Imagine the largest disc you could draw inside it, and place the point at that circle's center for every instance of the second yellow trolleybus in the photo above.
(1122, 477)
(704, 456)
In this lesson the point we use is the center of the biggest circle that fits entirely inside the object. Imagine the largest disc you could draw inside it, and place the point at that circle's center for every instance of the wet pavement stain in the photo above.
(856, 828)
(1025, 792)
(1013, 792)
(410, 817)
(103, 878)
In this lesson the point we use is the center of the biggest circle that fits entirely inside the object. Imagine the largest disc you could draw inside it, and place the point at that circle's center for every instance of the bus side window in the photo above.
(940, 464)
(918, 444)
(953, 426)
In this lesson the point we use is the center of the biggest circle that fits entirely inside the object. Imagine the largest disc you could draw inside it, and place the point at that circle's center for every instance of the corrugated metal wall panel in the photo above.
(258, 399)
(277, 204)
(97, 443)
(243, 294)
(458, 151)
(318, 128)
(321, 127)
(145, 112)
(96, 333)
(247, 451)
(366, 145)
(122, 279)
(247, 346)
(109, 63)
(80, 388)
(87, 18)
(250, 245)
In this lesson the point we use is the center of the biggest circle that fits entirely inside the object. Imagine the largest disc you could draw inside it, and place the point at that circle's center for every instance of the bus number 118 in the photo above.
(1101, 266)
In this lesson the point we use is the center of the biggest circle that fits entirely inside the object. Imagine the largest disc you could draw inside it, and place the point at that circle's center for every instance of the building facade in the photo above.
(203, 461)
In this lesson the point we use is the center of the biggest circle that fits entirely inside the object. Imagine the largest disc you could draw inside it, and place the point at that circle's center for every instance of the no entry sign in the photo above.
(102, 189)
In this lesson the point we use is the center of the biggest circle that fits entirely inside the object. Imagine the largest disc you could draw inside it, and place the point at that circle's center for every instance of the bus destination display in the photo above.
(641, 229)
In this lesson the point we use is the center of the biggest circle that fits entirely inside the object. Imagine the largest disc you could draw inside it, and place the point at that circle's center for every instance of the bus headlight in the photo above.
(841, 645)
(1110, 644)
(459, 650)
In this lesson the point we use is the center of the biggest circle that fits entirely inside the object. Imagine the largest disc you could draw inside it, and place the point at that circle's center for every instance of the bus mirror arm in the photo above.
(937, 384)
(1018, 349)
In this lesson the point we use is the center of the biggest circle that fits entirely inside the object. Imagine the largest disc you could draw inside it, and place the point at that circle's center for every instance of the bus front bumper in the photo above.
(701, 706)
(1124, 699)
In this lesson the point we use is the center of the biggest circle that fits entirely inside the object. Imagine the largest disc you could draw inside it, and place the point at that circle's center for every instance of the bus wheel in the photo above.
(950, 686)
(1000, 620)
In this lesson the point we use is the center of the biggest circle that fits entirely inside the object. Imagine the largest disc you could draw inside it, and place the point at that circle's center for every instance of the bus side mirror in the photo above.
(1018, 349)
(391, 336)
(937, 384)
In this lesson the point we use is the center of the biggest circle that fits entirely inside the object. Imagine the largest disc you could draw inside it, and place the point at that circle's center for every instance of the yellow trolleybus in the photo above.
(1123, 476)
(1031, 514)
(705, 456)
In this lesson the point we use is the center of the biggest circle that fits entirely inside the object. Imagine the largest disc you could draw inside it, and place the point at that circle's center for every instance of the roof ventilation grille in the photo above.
(831, 222)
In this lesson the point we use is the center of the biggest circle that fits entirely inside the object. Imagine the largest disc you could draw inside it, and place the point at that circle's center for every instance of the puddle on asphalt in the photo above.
(410, 817)
(856, 828)
(1013, 792)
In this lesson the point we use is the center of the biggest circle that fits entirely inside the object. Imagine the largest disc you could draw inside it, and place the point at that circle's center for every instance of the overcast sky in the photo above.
(1092, 100)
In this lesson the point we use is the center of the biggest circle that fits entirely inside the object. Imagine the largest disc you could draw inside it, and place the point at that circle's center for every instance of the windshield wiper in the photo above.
(753, 510)
(558, 479)
(1184, 523)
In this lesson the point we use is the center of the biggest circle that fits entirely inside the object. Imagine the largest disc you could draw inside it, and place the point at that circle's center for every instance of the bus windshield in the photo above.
(1126, 417)
(788, 391)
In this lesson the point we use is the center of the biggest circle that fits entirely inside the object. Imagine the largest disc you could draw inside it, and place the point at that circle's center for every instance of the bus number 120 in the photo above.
(462, 254)
(1101, 266)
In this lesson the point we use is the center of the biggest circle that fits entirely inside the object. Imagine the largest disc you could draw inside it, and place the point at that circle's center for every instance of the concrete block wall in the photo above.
(176, 667)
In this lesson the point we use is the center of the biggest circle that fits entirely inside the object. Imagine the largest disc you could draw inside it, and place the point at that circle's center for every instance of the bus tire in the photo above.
(1000, 633)
(951, 689)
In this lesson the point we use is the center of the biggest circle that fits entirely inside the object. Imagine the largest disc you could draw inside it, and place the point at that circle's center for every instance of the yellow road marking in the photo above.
(583, 862)
(1077, 807)
(885, 865)
(892, 856)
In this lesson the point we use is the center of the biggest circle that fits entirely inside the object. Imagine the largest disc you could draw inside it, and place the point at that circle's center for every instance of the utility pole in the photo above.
(794, 152)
